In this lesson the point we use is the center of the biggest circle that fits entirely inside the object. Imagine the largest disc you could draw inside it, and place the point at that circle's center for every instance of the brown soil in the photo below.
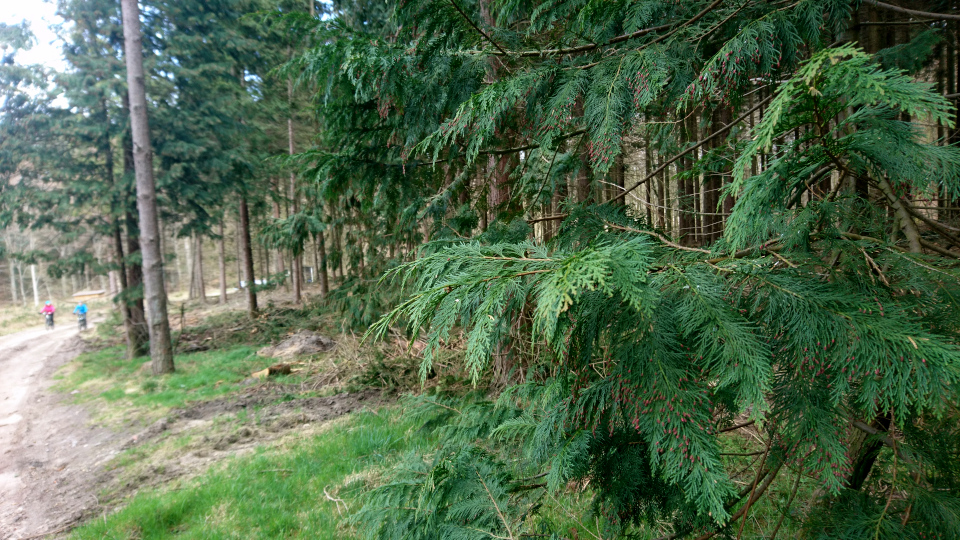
(57, 470)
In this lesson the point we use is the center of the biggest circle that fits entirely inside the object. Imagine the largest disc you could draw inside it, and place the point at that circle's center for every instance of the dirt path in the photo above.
(47, 451)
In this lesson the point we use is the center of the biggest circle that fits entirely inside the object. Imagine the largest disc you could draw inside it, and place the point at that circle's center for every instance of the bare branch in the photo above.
(914, 12)
(699, 143)
(477, 28)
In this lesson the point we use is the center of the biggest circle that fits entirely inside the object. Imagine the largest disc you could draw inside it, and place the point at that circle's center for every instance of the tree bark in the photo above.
(23, 292)
(277, 214)
(137, 343)
(247, 252)
(322, 267)
(190, 264)
(128, 330)
(237, 244)
(161, 351)
(201, 286)
(296, 264)
(13, 279)
(33, 279)
(222, 253)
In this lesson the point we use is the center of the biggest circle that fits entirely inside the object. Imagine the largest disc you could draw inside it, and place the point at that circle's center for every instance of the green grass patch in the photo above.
(273, 494)
(107, 375)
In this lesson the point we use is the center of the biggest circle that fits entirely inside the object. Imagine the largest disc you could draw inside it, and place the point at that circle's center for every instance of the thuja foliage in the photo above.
(810, 320)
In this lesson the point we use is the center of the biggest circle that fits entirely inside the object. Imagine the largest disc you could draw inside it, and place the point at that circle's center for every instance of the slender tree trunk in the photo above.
(190, 263)
(247, 251)
(264, 262)
(237, 244)
(661, 197)
(296, 263)
(668, 210)
(36, 290)
(277, 214)
(23, 292)
(726, 201)
(316, 259)
(647, 167)
(201, 286)
(222, 254)
(128, 330)
(179, 263)
(338, 233)
(322, 267)
(161, 351)
(137, 345)
(13, 280)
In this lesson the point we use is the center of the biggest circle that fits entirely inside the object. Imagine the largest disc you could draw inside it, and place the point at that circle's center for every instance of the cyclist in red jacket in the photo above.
(48, 311)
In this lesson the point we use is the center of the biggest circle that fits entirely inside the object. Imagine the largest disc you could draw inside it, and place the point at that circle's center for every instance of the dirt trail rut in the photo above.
(46, 450)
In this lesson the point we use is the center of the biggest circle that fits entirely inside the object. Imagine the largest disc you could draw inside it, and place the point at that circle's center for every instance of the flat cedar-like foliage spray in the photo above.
(816, 299)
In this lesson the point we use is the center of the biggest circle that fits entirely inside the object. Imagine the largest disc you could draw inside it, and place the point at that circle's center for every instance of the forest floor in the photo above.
(83, 431)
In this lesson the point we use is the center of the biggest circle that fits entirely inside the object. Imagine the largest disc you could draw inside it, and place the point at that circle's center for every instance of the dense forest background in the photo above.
(651, 221)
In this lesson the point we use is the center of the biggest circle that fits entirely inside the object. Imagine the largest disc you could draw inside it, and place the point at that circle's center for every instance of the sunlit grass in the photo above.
(273, 494)
(129, 384)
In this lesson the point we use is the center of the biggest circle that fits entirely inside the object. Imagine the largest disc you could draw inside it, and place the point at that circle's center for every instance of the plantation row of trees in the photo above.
(654, 222)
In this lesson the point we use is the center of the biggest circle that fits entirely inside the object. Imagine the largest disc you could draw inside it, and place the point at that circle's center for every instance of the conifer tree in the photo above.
(161, 351)
(804, 305)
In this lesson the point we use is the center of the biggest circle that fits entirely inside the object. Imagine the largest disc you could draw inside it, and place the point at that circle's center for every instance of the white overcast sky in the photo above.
(41, 15)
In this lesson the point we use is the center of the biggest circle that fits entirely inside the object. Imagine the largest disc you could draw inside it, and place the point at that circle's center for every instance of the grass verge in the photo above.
(296, 492)
(129, 387)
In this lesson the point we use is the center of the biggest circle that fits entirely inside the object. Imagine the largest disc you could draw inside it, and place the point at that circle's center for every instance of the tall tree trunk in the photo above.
(128, 330)
(661, 196)
(36, 290)
(190, 263)
(338, 243)
(179, 263)
(238, 244)
(685, 191)
(647, 168)
(499, 166)
(137, 343)
(618, 175)
(322, 267)
(161, 350)
(13, 280)
(296, 263)
(277, 214)
(726, 201)
(222, 254)
(23, 292)
(264, 262)
(201, 286)
(247, 251)
(582, 185)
